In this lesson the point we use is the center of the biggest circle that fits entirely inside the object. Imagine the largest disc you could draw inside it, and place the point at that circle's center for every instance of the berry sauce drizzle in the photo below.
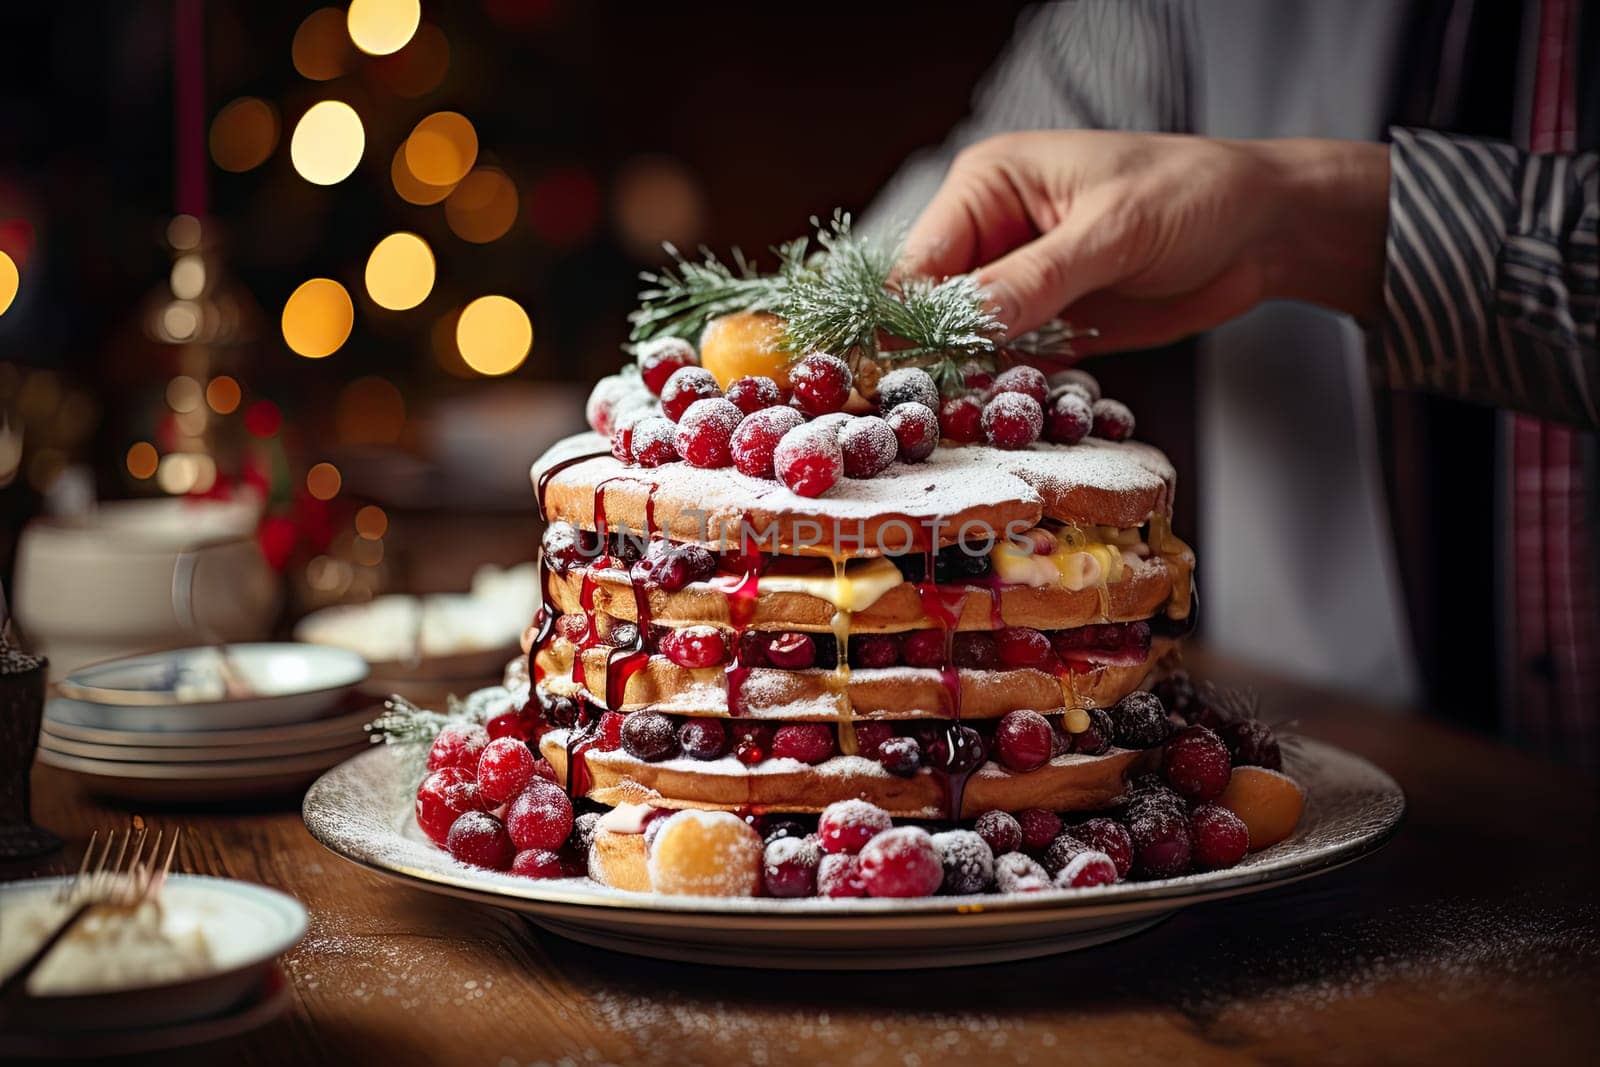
(948, 616)
(742, 597)
(547, 605)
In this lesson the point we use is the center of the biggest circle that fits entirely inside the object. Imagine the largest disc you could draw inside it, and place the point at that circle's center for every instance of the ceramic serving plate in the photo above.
(139, 753)
(313, 735)
(362, 810)
(192, 782)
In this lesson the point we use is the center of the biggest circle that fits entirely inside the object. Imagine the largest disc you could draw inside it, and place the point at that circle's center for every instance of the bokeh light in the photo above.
(411, 189)
(142, 459)
(10, 281)
(180, 320)
(323, 481)
(419, 67)
(657, 200)
(183, 232)
(223, 394)
(183, 394)
(372, 522)
(494, 335)
(327, 143)
(483, 206)
(243, 134)
(370, 411)
(442, 340)
(317, 318)
(379, 27)
(442, 148)
(263, 419)
(186, 472)
(188, 277)
(563, 206)
(400, 272)
(321, 48)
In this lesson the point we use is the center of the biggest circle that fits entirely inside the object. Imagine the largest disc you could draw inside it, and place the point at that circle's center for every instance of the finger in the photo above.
(1030, 285)
(1126, 322)
(976, 216)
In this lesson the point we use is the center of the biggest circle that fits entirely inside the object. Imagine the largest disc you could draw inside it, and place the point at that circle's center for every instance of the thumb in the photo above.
(1032, 284)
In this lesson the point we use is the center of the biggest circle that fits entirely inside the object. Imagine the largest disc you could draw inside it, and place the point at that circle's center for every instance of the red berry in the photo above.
(442, 798)
(1029, 381)
(1087, 869)
(757, 438)
(868, 445)
(685, 386)
(653, 441)
(1196, 763)
(907, 385)
(847, 825)
(976, 376)
(789, 867)
(1096, 739)
(1022, 740)
(840, 876)
(1080, 378)
(510, 724)
(458, 745)
(705, 433)
(504, 768)
(659, 359)
(1022, 646)
(1060, 851)
(821, 383)
(975, 650)
(808, 742)
(1017, 873)
(610, 393)
(923, 648)
(1161, 843)
(479, 840)
(1012, 420)
(1220, 837)
(703, 739)
(565, 546)
(1068, 420)
(1112, 420)
(543, 769)
(1000, 830)
(967, 860)
(1251, 742)
(961, 420)
(1110, 837)
(901, 862)
(1039, 828)
(540, 816)
(649, 736)
(875, 650)
(870, 734)
(751, 394)
(916, 427)
(808, 460)
(608, 736)
(695, 646)
(900, 756)
(792, 651)
(538, 863)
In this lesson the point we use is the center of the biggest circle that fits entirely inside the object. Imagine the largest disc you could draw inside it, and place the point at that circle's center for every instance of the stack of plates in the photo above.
(124, 729)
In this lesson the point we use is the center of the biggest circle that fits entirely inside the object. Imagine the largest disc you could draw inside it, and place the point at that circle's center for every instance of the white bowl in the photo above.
(200, 782)
(314, 735)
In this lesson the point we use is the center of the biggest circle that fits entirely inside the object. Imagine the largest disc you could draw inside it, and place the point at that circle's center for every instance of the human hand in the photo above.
(1153, 237)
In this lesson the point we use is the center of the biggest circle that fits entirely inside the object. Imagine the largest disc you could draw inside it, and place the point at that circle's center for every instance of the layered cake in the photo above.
(868, 620)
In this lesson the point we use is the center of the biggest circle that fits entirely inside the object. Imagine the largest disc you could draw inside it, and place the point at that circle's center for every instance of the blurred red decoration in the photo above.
(16, 240)
(563, 206)
(263, 419)
(277, 536)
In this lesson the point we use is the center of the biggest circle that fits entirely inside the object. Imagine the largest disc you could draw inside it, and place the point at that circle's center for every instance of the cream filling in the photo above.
(1078, 558)
(855, 587)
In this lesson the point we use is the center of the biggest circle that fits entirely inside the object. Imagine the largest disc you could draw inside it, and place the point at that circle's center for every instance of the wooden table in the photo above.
(1474, 937)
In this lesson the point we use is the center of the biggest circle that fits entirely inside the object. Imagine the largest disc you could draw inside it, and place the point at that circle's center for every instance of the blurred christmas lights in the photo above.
(317, 318)
(243, 134)
(379, 27)
(321, 48)
(442, 148)
(10, 282)
(400, 272)
(483, 206)
(494, 335)
(323, 481)
(327, 142)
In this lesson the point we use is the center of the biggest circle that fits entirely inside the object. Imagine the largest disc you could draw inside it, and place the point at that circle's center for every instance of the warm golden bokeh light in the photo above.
(494, 335)
(321, 48)
(188, 277)
(400, 272)
(442, 148)
(657, 199)
(223, 394)
(186, 472)
(183, 232)
(243, 134)
(419, 67)
(323, 481)
(317, 318)
(371, 411)
(183, 394)
(327, 143)
(10, 281)
(483, 206)
(371, 522)
(142, 460)
(379, 27)
(442, 340)
(410, 188)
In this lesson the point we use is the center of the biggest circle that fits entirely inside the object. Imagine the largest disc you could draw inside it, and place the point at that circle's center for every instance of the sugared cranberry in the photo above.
(703, 739)
(542, 768)
(901, 862)
(840, 876)
(961, 420)
(1000, 830)
(458, 745)
(511, 724)
(1087, 869)
(650, 736)
(789, 867)
(1139, 721)
(808, 742)
(1022, 646)
(774, 827)
(975, 650)
(1012, 420)
(1252, 743)
(907, 385)
(1196, 763)
(658, 359)
(558, 711)
(1061, 850)
(695, 646)
(916, 427)
(1112, 420)
(1095, 740)
(685, 386)
(923, 648)
(704, 437)
(847, 825)
(478, 839)
(1029, 381)
(621, 635)
(538, 863)
(604, 398)
(753, 648)
(967, 860)
(868, 445)
(566, 547)
(808, 460)
(900, 756)
(792, 651)
(608, 735)
(752, 741)
(1177, 692)
(442, 798)
(504, 768)
(1111, 838)
(1068, 420)
(1161, 843)
(652, 443)
(573, 627)
(751, 394)
(540, 816)
(875, 650)
(976, 376)
(1022, 740)
(1080, 378)
(821, 383)
(1015, 872)
(757, 437)
(1220, 837)
(870, 734)
(1039, 828)
(622, 442)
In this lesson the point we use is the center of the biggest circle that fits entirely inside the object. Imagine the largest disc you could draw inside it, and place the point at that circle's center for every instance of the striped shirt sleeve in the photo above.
(1492, 280)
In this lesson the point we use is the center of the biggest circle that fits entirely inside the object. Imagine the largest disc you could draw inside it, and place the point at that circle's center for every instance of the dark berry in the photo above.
(1060, 850)
(1252, 742)
(458, 745)
(961, 420)
(1022, 646)
(1096, 739)
(1029, 381)
(504, 768)
(792, 651)
(583, 831)
(1220, 837)
(479, 840)
(1080, 378)
(875, 650)
(659, 359)
(789, 867)
(650, 736)
(1068, 419)
(847, 825)
(1139, 721)
(1039, 828)
(907, 385)
(1012, 420)
(870, 733)
(622, 635)
(566, 547)
(1015, 872)
(753, 648)
(840, 876)
(695, 646)
(773, 827)
(1110, 837)
(917, 429)
(442, 798)
(559, 711)
(923, 648)
(821, 383)
(685, 386)
(808, 742)
(1022, 741)
(868, 445)
(901, 862)
(704, 437)
(1000, 830)
(703, 739)
(1112, 420)
(751, 394)
(540, 816)
(975, 650)
(1196, 763)
(965, 747)
(1161, 844)
(652, 442)
(900, 756)
(808, 460)
(1177, 692)
(757, 438)
(1087, 869)
(967, 860)
(538, 863)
